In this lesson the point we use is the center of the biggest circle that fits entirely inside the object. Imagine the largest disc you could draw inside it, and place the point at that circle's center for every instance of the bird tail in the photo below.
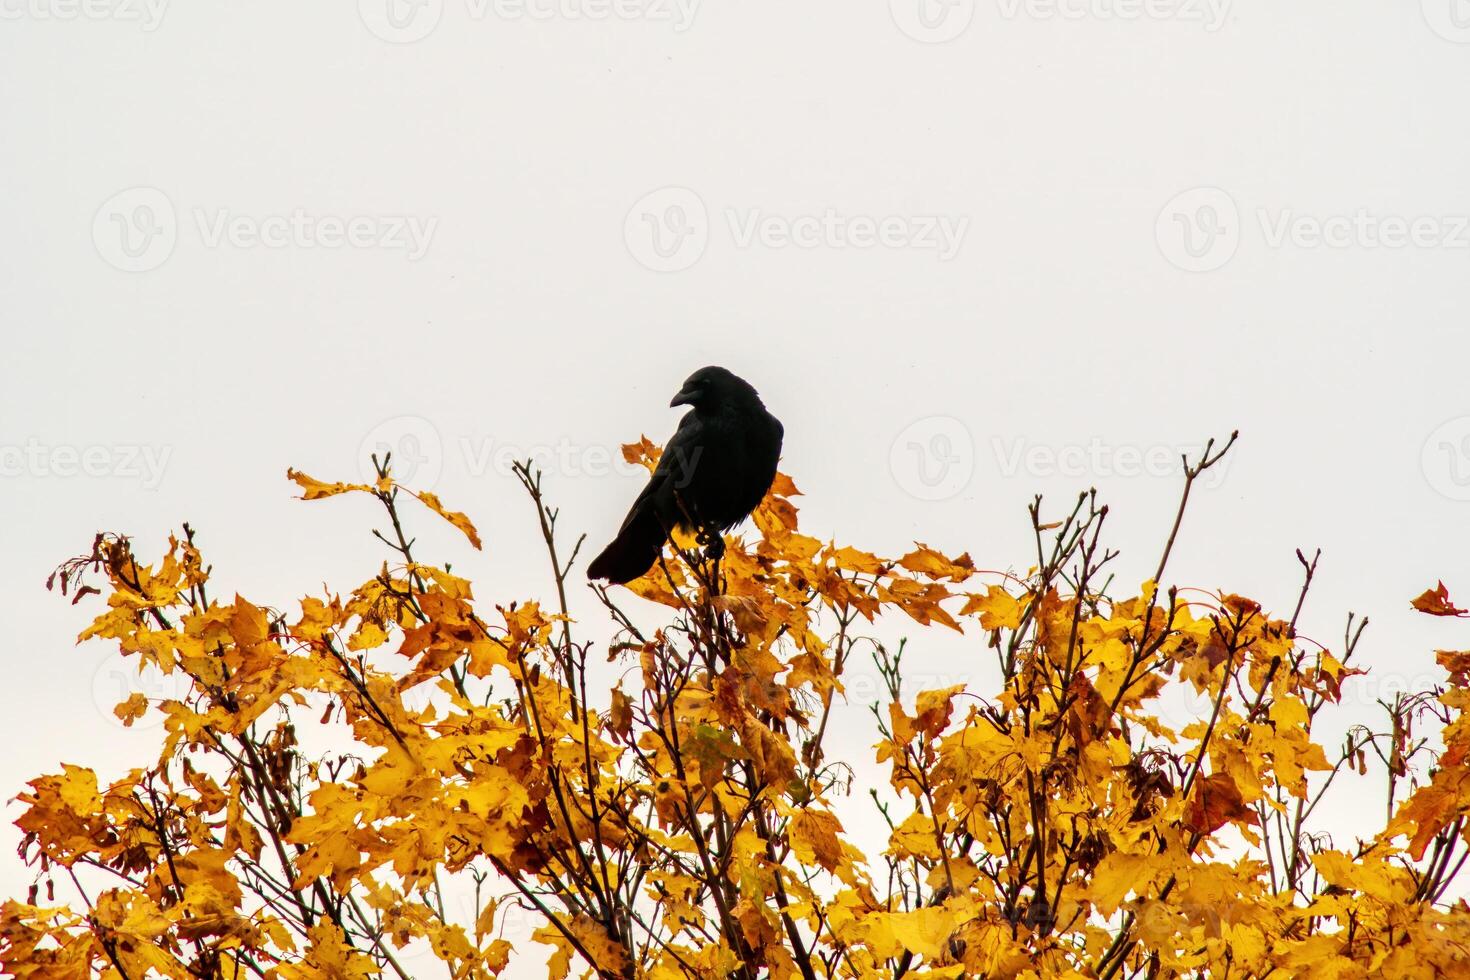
(633, 551)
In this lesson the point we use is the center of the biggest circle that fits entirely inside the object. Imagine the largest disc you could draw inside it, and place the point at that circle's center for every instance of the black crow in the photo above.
(714, 471)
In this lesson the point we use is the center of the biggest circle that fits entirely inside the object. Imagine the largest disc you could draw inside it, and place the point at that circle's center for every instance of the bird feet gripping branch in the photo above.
(713, 543)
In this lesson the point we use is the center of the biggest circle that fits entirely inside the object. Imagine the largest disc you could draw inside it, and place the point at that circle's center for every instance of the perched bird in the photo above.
(714, 471)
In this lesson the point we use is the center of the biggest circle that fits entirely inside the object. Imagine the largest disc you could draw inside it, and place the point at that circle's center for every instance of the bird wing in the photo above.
(658, 494)
(638, 542)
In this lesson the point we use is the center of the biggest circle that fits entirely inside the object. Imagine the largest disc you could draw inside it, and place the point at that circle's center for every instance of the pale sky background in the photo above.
(1042, 247)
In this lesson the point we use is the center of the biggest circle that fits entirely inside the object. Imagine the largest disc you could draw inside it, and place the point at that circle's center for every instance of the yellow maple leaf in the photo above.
(314, 489)
(922, 932)
(454, 517)
(132, 709)
(814, 836)
(998, 609)
(1116, 875)
(926, 561)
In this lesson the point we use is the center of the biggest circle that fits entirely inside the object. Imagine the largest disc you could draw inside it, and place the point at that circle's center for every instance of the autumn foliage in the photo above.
(689, 822)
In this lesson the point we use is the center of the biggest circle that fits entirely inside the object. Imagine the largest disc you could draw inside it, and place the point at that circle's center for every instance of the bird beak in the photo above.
(684, 397)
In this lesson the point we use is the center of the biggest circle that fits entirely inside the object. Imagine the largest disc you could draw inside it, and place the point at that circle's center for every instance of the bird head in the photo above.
(709, 388)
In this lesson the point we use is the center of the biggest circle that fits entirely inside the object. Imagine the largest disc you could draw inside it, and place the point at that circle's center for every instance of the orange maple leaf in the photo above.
(1436, 602)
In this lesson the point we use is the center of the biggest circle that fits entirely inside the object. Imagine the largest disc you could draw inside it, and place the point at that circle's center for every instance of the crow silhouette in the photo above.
(714, 471)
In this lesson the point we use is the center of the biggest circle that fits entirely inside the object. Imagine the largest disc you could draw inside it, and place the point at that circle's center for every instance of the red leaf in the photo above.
(1216, 801)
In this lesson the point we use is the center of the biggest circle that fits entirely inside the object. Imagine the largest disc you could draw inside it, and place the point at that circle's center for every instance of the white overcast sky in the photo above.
(967, 250)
